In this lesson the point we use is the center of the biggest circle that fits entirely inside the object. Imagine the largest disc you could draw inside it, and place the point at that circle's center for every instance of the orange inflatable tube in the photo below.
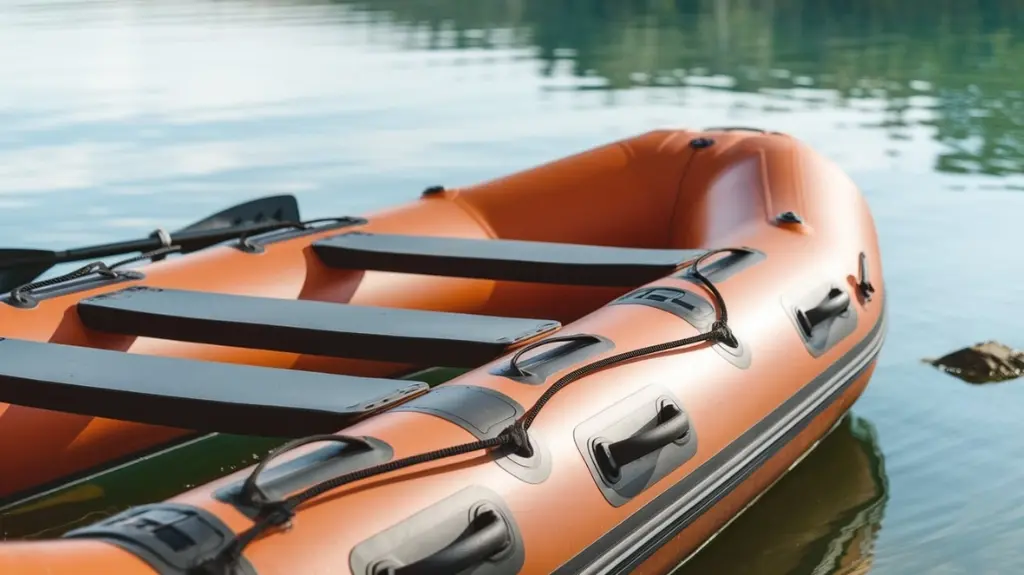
(660, 327)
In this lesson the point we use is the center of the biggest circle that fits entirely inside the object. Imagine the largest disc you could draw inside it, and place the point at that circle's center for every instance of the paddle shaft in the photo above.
(189, 240)
(105, 250)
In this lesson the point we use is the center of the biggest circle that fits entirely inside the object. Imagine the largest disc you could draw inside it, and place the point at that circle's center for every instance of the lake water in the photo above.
(119, 117)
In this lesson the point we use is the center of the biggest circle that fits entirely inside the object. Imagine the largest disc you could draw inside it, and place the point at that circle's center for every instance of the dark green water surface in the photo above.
(119, 117)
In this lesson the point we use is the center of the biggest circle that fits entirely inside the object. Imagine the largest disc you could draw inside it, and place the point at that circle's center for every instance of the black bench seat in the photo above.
(313, 327)
(508, 260)
(190, 394)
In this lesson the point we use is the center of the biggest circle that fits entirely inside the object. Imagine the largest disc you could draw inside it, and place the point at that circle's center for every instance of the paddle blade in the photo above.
(283, 208)
(19, 267)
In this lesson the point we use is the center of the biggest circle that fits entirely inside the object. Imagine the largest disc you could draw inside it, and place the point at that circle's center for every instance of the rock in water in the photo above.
(987, 362)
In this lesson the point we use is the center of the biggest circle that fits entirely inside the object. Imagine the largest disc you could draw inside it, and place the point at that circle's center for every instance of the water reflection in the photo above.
(951, 67)
(821, 518)
(136, 115)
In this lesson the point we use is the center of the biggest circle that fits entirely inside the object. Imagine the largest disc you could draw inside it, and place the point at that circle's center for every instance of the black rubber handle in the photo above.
(837, 302)
(486, 536)
(612, 457)
(251, 491)
(585, 338)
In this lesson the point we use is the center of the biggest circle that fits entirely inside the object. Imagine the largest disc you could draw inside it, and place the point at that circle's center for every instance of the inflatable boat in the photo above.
(653, 330)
